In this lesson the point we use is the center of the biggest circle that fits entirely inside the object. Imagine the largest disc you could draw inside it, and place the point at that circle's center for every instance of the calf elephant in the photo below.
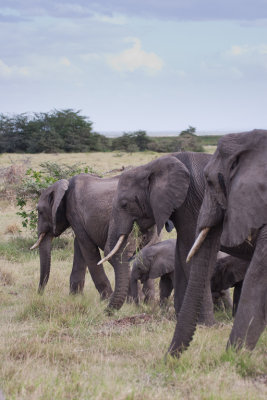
(157, 261)
(229, 272)
(233, 215)
(84, 202)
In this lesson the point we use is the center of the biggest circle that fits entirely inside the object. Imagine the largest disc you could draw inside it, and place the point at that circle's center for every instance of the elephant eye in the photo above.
(235, 163)
(124, 204)
(209, 182)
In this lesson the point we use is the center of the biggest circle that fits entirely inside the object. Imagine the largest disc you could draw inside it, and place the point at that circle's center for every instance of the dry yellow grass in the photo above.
(100, 161)
(59, 347)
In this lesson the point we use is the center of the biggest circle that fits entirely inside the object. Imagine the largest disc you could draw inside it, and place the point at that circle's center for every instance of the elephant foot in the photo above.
(76, 287)
(207, 320)
(106, 294)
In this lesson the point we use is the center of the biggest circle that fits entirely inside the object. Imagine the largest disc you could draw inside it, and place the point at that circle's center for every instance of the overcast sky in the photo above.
(137, 64)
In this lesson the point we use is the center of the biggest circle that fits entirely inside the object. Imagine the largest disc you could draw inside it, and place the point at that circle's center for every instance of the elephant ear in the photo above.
(247, 199)
(58, 191)
(168, 184)
(228, 271)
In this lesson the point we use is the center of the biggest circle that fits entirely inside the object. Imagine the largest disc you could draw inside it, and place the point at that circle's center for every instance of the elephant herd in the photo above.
(215, 202)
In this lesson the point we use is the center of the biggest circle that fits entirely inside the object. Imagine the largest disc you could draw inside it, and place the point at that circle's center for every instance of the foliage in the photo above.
(51, 132)
(210, 140)
(164, 144)
(131, 142)
(186, 141)
(30, 188)
(189, 141)
(69, 131)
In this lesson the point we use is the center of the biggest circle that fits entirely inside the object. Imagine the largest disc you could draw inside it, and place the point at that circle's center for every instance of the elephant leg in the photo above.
(236, 296)
(165, 288)
(251, 315)
(91, 256)
(77, 276)
(206, 316)
(226, 298)
(222, 300)
(149, 291)
(180, 278)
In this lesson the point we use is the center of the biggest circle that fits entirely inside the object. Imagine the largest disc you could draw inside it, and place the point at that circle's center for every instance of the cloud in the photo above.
(135, 58)
(242, 10)
(245, 50)
(114, 19)
(248, 61)
(7, 71)
(65, 61)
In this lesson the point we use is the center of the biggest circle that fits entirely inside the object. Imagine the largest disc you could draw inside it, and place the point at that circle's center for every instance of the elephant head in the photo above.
(147, 195)
(52, 222)
(234, 206)
(228, 272)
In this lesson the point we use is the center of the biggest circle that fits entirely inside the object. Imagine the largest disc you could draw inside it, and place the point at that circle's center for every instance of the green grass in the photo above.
(58, 346)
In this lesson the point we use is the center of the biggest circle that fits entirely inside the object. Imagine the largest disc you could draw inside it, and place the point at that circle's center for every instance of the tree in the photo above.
(189, 141)
(131, 141)
(54, 131)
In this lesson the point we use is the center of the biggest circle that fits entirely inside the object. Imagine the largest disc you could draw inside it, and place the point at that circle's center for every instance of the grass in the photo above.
(57, 346)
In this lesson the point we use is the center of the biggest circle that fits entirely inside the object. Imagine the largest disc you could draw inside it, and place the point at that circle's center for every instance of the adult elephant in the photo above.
(84, 202)
(233, 213)
(172, 187)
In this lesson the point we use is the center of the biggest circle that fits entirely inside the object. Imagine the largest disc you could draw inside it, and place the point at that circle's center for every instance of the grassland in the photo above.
(59, 347)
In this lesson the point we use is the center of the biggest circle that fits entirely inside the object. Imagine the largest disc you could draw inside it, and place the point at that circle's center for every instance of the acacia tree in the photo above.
(54, 131)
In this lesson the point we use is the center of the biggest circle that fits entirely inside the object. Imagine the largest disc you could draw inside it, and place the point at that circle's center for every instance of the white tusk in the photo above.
(198, 242)
(113, 251)
(38, 241)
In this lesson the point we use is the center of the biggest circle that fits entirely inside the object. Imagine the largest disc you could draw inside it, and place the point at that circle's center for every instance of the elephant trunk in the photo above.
(45, 261)
(201, 269)
(119, 295)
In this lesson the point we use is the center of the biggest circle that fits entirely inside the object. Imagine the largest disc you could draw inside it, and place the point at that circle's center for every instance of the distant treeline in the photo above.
(68, 131)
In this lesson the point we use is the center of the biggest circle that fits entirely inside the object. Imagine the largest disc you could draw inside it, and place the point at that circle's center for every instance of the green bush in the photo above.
(131, 142)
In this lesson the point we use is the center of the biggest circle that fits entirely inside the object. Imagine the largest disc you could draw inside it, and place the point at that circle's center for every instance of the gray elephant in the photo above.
(84, 202)
(229, 272)
(170, 187)
(233, 215)
(158, 260)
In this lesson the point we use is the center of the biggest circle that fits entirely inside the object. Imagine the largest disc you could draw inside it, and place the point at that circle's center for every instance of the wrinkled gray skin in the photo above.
(235, 207)
(84, 203)
(157, 261)
(169, 187)
(229, 272)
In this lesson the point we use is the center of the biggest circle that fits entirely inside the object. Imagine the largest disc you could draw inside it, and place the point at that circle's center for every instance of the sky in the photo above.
(154, 65)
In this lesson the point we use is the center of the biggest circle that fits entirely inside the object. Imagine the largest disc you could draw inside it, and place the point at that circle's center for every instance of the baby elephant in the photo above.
(157, 261)
(153, 262)
(229, 272)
